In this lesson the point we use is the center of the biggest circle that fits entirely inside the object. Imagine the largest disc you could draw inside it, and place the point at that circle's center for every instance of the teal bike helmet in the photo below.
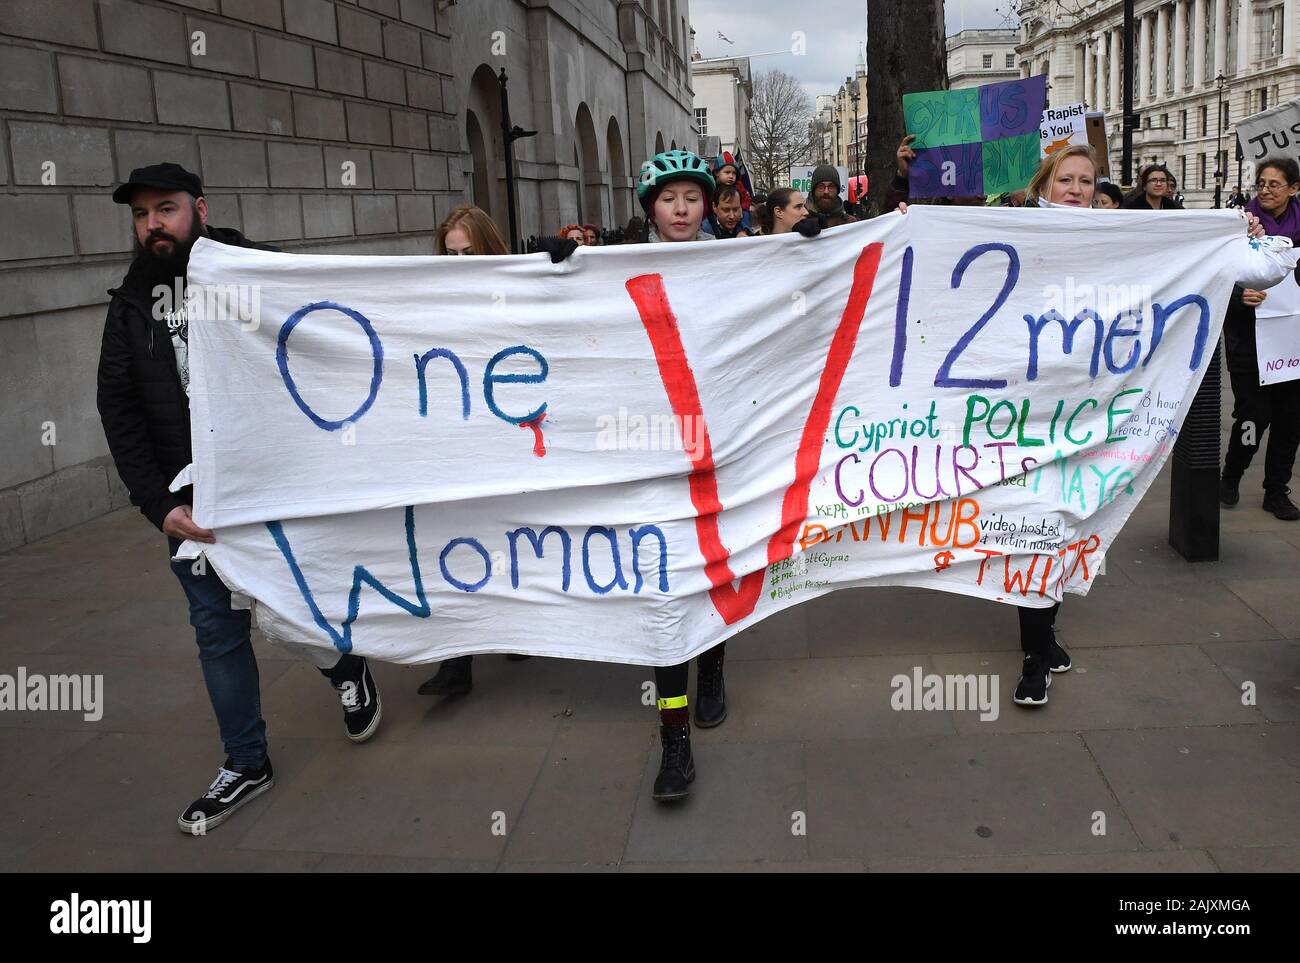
(672, 165)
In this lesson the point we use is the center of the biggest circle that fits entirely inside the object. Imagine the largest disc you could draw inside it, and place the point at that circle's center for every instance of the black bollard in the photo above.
(1194, 483)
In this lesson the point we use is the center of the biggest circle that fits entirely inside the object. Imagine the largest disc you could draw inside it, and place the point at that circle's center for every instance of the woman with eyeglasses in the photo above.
(1155, 191)
(1256, 407)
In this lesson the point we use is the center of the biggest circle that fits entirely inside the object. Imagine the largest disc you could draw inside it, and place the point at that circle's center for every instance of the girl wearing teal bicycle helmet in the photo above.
(676, 191)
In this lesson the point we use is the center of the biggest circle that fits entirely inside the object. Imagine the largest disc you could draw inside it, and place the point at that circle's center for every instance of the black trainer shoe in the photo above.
(1058, 660)
(355, 685)
(230, 790)
(677, 768)
(1281, 506)
(1035, 680)
(710, 693)
(1229, 490)
(454, 677)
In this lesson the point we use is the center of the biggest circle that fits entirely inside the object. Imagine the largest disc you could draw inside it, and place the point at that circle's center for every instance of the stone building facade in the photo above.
(978, 57)
(723, 89)
(849, 120)
(1182, 46)
(337, 126)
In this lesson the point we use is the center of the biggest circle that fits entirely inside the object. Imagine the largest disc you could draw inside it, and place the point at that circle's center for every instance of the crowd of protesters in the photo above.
(143, 400)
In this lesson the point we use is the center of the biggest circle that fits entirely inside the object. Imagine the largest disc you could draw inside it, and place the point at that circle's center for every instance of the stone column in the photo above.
(1288, 29)
(1220, 37)
(1143, 87)
(1101, 73)
(1087, 95)
(1116, 60)
(1180, 46)
(1245, 33)
(1198, 44)
(1162, 52)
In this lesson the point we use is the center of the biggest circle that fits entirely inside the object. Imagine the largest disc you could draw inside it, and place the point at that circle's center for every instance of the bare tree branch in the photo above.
(780, 128)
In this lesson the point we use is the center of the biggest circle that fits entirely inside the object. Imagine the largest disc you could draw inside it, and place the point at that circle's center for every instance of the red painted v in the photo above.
(647, 292)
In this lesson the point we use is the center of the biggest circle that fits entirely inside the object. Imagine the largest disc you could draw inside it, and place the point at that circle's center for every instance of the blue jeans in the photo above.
(229, 666)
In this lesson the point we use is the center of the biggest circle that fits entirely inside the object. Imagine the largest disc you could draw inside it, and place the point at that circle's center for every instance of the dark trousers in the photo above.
(672, 681)
(1036, 628)
(1258, 408)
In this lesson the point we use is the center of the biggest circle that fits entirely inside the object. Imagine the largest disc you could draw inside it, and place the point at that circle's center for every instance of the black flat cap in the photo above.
(167, 177)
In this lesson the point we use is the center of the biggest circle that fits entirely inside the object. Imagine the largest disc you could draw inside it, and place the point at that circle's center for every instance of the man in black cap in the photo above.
(144, 405)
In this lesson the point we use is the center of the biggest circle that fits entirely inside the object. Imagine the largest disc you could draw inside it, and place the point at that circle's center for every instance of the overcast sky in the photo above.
(834, 29)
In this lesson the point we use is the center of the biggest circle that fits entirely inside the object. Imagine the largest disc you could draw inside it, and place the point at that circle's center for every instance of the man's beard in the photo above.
(159, 267)
(827, 205)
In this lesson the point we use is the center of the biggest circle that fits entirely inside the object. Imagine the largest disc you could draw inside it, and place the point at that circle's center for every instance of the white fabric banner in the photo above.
(637, 453)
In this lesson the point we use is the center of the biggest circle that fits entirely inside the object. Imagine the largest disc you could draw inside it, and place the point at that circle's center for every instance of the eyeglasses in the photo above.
(1156, 180)
(1270, 185)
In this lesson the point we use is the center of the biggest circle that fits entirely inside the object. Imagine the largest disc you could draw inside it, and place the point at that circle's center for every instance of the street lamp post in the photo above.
(1194, 469)
(1219, 172)
(853, 94)
(837, 141)
(510, 134)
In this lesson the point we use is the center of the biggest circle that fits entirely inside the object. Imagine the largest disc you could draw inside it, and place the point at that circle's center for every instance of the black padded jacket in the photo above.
(142, 403)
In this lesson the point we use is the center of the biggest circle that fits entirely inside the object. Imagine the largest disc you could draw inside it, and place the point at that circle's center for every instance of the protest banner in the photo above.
(977, 140)
(1063, 127)
(615, 458)
(1270, 133)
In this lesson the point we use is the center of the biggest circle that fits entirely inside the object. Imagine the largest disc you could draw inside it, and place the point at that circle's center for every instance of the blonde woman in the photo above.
(1066, 178)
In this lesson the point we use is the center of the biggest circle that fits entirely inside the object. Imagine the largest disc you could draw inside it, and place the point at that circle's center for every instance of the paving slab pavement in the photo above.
(1172, 746)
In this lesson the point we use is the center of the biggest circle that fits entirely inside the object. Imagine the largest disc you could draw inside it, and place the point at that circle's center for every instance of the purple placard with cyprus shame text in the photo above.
(1012, 108)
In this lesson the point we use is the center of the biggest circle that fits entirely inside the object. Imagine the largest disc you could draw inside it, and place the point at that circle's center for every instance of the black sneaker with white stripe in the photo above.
(1035, 680)
(231, 789)
(355, 685)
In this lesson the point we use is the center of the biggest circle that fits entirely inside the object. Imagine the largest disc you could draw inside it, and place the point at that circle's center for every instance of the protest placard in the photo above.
(1271, 133)
(1063, 127)
(1277, 333)
(977, 140)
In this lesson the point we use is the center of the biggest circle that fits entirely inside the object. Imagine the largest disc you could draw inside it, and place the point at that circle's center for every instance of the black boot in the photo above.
(1281, 506)
(710, 692)
(1229, 490)
(453, 678)
(677, 768)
